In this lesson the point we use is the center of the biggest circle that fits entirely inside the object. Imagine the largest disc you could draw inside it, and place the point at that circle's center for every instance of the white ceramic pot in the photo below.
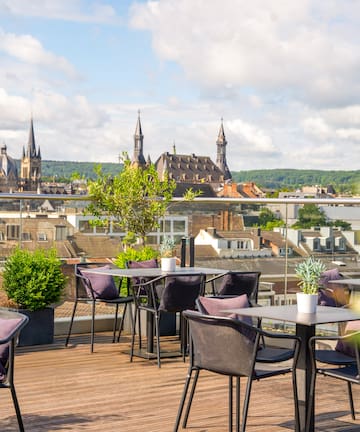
(168, 264)
(306, 303)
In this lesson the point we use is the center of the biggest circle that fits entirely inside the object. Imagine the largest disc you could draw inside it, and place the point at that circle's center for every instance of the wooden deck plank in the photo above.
(69, 389)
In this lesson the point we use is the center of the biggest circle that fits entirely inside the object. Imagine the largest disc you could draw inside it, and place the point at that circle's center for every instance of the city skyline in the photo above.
(282, 75)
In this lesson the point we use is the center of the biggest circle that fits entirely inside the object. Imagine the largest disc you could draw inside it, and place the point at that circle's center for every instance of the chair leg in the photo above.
(115, 322)
(246, 403)
(157, 332)
(191, 397)
(231, 403)
(351, 400)
(183, 398)
(92, 326)
(311, 401)
(296, 402)
(71, 323)
(126, 306)
(17, 408)
(133, 331)
(139, 328)
(237, 402)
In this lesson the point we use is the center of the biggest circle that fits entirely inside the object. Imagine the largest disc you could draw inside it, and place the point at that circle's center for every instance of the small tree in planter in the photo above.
(34, 281)
(167, 254)
(309, 272)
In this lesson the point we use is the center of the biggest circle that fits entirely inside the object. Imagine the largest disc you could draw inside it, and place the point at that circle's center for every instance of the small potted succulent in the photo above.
(309, 272)
(167, 254)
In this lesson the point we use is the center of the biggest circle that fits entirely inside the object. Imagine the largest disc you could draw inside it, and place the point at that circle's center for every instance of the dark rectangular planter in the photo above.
(40, 328)
(167, 324)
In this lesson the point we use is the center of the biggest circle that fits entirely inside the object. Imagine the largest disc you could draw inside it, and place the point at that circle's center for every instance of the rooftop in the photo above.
(69, 389)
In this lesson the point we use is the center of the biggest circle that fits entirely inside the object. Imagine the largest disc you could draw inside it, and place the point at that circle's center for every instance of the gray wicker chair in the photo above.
(229, 347)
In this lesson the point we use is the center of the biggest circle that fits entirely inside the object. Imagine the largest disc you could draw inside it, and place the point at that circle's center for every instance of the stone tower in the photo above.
(138, 157)
(30, 173)
(221, 153)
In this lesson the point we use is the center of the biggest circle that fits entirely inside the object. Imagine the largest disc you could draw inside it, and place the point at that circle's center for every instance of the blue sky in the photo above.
(284, 76)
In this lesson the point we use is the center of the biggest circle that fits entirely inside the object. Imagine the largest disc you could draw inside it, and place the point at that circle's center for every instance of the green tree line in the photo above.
(270, 179)
(294, 178)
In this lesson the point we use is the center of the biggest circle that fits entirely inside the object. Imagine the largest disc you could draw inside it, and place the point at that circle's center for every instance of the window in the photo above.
(13, 232)
(85, 227)
(26, 236)
(42, 237)
(60, 232)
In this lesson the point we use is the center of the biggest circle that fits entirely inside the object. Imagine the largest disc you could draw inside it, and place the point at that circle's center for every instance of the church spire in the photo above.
(138, 157)
(221, 153)
(31, 148)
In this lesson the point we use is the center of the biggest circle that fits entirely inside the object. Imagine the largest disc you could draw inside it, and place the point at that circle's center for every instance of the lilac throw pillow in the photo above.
(102, 286)
(326, 298)
(328, 275)
(7, 326)
(215, 306)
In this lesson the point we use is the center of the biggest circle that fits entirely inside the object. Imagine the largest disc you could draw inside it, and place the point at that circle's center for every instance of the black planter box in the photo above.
(167, 324)
(40, 328)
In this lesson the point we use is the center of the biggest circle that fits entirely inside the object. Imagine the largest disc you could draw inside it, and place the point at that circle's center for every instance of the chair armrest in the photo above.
(345, 337)
(279, 335)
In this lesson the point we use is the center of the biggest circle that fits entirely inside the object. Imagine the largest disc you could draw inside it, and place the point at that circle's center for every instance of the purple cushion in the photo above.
(7, 326)
(326, 298)
(328, 275)
(346, 347)
(236, 284)
(151, 263)
(215, 306)
(102, 286)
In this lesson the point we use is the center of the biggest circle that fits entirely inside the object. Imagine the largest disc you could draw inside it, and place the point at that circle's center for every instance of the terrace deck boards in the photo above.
(69, 389)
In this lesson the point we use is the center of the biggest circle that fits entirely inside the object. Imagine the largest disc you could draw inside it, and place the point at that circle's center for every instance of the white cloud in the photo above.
(70, 10)
(29, 50)
(296, 46)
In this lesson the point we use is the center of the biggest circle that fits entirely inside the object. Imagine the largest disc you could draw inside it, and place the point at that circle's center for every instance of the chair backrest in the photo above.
(180, 292)
(10, 325)
(222, 345)
(237, 283)
(150, 263)
(92, 285)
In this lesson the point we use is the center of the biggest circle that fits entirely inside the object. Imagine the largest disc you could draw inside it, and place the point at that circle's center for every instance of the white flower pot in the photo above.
(306, 303)
(168, 264)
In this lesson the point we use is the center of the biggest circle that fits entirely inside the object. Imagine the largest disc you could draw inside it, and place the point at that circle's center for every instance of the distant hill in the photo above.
(293, 178)
(270, 179)
(61, 170)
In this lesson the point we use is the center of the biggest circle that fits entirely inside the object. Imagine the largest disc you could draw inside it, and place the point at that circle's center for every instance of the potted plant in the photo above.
(34, 281)
(167, 254)
(309, 272)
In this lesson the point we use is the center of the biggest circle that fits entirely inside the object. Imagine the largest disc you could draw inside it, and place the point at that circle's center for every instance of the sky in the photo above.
(282, 75)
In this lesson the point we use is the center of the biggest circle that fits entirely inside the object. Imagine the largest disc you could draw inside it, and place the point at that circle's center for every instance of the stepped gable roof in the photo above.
(8, 168)
(189, 168)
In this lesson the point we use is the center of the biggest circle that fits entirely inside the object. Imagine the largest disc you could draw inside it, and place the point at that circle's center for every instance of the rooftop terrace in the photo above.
(69, 389)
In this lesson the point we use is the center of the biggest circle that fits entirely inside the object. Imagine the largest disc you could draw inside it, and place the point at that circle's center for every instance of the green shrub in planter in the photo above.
(33, 280)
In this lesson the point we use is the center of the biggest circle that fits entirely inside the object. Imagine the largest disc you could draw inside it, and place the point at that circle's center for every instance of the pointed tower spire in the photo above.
(30, 163)
(221, 153)
(31, 148)
(138, 157)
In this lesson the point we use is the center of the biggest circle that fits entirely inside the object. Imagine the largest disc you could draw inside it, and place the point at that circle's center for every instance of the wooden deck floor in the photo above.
(69, 389)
